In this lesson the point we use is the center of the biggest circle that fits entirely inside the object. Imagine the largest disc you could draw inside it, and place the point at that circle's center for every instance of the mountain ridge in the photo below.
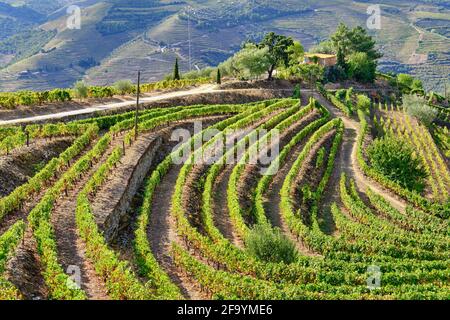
(149, 36)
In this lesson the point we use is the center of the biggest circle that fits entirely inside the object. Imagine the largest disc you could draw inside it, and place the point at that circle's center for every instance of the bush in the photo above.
(270, 245)
(81, 90)
(101, 92)
(405, 82)
(59, 95)
(363, 102)
(417, 87)
(394, 158)
(124, 87)
(27, 98)
(418, 108)
(341, 94)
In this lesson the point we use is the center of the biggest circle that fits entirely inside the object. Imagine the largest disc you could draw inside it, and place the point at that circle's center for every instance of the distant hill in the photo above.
(119, 37)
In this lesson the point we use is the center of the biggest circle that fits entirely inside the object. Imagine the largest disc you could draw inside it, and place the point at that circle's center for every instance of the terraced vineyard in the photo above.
(124, 216)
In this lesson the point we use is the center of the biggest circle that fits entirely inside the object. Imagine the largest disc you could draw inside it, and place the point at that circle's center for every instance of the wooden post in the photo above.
(137, 106)
(28, 139)
(123, 146)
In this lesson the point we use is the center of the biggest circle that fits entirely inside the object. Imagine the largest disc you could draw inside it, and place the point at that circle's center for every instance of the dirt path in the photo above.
(109, 106)
(71, 249)
(222, 219)
(24, 162)
(162, 233)
(24, 269)
(418, 58)
(34, 199)
(272, 199)
(347, 163)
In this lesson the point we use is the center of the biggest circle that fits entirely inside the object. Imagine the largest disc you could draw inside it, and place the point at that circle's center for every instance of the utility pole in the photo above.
(138, 92)
(189, 37)
(445, 90)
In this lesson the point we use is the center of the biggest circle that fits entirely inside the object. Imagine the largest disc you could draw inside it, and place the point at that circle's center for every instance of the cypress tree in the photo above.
(176, 71)
(219, 77)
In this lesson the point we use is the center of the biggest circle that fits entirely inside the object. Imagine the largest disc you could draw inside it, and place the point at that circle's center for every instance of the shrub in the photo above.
(363, 102)
(348, 95)
(59, 95)
(418, 108)
(81, 90)
(335, 73)
(124, 87)
(405, 82)
(101, 92)
(270, 245)
(340, 94)
(394, 158)
(27, 98)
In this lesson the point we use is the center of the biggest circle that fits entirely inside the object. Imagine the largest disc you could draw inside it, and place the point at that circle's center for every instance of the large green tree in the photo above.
(361, 67)
(296, 53)
(278, 51)
(356, 52)
(341, 40)
(349, 41)
(362, 42)
(250, 62)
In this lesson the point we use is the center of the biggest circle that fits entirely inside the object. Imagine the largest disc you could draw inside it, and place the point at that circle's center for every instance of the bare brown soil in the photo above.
(272, 198)
(220, 206)
(346, 162)
(162, 233)
(310, 176)
(252, 173)
(108, 195)
(71, 249)
(24, 162)
(24, 269)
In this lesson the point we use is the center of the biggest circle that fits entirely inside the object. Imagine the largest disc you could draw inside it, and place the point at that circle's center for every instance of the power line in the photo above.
(189, 38)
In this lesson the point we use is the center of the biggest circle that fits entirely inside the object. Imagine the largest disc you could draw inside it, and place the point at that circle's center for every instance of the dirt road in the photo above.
(346, 162)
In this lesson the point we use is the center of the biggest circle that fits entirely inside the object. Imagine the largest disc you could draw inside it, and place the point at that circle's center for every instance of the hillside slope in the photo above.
(120, 36)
